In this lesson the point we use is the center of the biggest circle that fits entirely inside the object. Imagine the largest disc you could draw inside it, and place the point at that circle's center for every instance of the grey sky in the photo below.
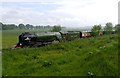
(69, 13)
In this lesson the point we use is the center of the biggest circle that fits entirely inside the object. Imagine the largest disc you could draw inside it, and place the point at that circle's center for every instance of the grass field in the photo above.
(10, 37)
(0, 53)
(75, 58)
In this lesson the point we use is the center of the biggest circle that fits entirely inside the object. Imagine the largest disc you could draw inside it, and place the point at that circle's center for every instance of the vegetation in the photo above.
(10, 37)
(90, 56)
(22, 26)
(117, 28)
(0, 53)
(108, 28)
(74, 58)
(56, 28)
(8, 26)
(0, 26)
(96, 30)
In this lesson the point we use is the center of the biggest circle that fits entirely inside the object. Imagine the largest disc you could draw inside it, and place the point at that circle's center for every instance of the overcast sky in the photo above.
(69, 13)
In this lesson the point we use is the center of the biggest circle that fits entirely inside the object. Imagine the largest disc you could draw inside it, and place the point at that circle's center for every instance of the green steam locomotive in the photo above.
(28, 39)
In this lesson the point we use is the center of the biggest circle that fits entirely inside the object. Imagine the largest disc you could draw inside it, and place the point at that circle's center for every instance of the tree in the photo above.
(28, 26)
(117, 28)
(1, 26)
(21, 26)
(96, 30)
(108, 28)
(56, 28)
(9, 26)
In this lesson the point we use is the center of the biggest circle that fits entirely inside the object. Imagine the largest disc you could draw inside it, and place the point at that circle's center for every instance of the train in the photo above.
(32, 39)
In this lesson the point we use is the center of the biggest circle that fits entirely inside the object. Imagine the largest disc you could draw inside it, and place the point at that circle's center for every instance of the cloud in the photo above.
(64, 12)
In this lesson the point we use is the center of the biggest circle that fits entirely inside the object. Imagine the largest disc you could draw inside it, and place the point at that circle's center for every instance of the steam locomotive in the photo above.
(28, 39)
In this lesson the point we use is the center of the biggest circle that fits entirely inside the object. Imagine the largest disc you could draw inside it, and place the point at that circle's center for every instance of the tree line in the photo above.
(96, 29)
(107, 29)
(22, 26)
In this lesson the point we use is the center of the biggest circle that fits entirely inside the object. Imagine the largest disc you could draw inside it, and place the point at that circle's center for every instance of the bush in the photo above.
(56, 28)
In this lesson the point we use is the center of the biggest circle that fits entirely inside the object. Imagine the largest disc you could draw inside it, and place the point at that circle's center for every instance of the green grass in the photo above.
(10, 37)
(75, 58)
(0, 53)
